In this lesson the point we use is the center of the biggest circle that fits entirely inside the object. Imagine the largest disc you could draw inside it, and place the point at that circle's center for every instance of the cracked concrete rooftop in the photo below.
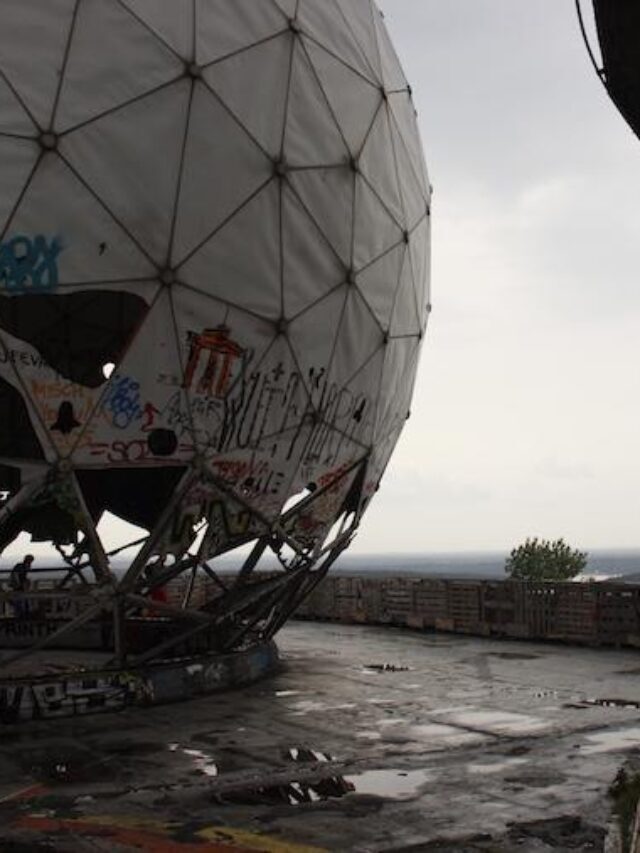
(370, 739)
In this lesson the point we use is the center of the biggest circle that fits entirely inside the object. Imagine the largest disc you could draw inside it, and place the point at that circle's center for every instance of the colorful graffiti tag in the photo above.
(222, 355)
(29, 264)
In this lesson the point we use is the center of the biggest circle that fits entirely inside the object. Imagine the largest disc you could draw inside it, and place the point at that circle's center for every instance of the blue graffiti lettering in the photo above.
(29, 265)
(122, 401)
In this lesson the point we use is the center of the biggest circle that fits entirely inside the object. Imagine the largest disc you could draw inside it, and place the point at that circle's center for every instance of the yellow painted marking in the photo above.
(213, 834)
(254, 841)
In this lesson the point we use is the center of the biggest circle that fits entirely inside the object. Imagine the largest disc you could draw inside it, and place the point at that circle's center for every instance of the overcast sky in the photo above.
(526, 419)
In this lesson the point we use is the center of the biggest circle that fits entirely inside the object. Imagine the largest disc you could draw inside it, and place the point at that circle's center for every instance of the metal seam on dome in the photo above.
(351, 294)
(336, 56)
(98, 198)
(355, 38)
(223, 103)
(245, 49)
(194, 30)
(369, 130)
(287, 97)
(376, 16)
(116, 108)
(320, 231)
(416, 285)
(336, 329)
(152, 31)
(98, 186)
(419, 179)
(396, 161)
(414, 291)
(396, 288)
(278, 9)
(179, 183)
(383, 205)
(19, 101)
(21, 196)
(328, 103)
(63, 69)
(18, 137)
(227, 303)
(281, 249)
(296, 317)
(322, 72)
(414, 353)
(374, 316)
(384, 111)
(219, 227)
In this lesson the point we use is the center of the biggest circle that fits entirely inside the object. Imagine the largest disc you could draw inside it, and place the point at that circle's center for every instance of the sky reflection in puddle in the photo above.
(612, 741)
(203, 763)
(391, 784)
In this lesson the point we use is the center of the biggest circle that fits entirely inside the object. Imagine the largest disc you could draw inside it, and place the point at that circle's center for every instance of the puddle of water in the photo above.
(391, 784)
(294, 792)
(291, 793)
(440, 735)
(203, 762)
(496, 767)
(308, 706)
(501, 722)
(612, 741)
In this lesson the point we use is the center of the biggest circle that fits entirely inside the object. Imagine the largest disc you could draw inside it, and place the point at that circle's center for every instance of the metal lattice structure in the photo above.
(214, 253)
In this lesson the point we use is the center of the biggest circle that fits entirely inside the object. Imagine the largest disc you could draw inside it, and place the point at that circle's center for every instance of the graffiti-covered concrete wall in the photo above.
(590, 613)
(78, 694)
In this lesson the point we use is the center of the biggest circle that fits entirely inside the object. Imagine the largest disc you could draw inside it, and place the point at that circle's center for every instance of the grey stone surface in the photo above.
(371, 739)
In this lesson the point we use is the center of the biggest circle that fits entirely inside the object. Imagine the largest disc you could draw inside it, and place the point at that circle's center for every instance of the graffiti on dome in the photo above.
(236, 403)
(29, 264)
(213, 361)
(226, 522)
(64, 406)
(231, 401)
(122, 401)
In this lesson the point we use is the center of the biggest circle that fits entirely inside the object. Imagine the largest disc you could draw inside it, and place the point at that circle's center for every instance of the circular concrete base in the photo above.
(90, 691)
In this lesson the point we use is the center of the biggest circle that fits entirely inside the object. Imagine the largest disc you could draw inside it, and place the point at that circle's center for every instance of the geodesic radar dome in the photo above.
(214, 253)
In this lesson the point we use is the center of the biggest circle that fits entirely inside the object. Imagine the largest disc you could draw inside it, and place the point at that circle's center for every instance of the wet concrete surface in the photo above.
(371, 739)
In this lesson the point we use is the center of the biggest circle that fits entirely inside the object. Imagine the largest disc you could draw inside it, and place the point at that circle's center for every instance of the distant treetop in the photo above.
(545, 560)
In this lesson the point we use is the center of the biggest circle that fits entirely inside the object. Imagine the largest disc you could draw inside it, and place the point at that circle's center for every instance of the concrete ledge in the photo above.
(97, 691)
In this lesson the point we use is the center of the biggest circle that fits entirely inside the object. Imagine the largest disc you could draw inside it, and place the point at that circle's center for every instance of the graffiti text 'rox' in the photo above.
(29, 264)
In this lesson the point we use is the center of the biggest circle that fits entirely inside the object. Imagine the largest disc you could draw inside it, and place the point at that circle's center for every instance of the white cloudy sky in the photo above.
(526, 418)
